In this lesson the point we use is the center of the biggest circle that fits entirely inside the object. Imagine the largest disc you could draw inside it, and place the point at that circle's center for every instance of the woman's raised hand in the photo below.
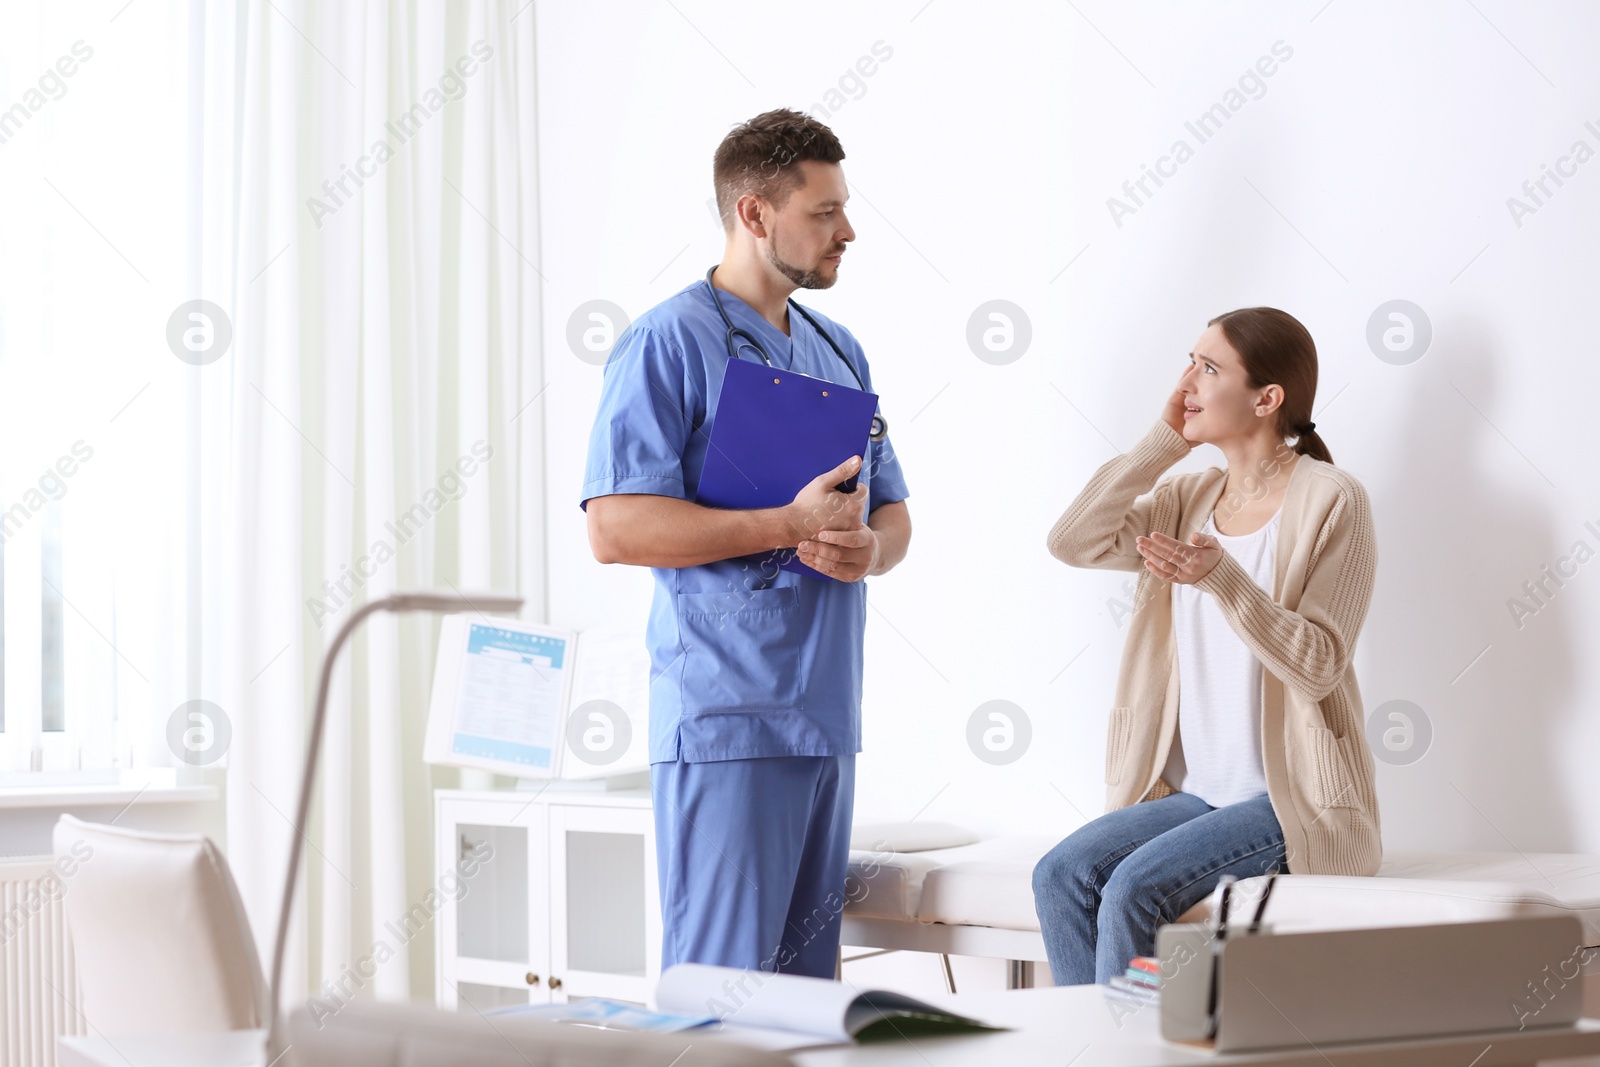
(1171, 559)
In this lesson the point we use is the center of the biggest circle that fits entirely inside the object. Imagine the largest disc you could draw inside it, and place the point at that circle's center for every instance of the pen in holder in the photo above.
(1217, 941)
(1191, 965)
(1221, 939)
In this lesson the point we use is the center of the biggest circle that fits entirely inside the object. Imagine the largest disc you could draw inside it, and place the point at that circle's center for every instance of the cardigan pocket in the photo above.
(1117, 743)
(1335, 785)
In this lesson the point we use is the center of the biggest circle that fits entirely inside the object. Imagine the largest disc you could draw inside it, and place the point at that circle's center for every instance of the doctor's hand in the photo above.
(1167, 557)
(848, 555)
(819, 506)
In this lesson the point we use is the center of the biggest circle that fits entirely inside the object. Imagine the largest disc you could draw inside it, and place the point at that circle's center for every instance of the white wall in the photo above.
(1376, 165)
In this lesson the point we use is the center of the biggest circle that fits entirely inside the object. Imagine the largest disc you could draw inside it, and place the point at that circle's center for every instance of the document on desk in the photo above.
(773, 433)
(789, 1011)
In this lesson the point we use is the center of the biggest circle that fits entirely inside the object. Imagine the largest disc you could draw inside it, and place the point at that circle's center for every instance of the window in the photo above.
(103, 447)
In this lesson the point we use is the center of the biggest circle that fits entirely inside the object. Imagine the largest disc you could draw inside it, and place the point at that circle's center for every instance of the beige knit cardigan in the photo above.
(1318, 767)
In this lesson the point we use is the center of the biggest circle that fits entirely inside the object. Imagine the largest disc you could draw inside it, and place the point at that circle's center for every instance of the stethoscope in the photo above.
(739, 340)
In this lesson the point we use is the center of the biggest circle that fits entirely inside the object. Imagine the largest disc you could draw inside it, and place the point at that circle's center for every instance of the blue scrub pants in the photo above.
(752, 856)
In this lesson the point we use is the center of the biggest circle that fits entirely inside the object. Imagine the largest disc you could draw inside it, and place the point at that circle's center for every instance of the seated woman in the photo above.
(1255, 581)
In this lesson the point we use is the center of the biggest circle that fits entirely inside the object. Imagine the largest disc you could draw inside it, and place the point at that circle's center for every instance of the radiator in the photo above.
(38, 980)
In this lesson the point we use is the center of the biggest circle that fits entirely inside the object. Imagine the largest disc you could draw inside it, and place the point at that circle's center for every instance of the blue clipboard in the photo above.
(774, 432)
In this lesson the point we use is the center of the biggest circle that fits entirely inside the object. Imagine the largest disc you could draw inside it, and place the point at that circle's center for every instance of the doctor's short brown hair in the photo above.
(763, 157)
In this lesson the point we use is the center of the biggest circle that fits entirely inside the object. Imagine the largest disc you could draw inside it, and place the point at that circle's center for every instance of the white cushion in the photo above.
(908, 836)
(991, 889)
(884, 885)
(991, 884)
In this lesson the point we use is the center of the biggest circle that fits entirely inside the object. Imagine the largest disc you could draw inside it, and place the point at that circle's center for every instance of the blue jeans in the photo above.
(1102, 893)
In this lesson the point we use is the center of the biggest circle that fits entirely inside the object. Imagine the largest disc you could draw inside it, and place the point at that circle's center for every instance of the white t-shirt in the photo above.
(1216, 754)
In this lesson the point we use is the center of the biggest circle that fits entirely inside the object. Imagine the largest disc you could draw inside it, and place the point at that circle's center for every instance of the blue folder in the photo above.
(776, 430)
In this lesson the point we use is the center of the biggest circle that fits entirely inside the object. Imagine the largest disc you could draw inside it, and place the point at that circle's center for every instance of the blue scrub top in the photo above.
(746, 660)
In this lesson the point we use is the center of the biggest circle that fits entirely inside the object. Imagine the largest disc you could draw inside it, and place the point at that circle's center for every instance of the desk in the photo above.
(1070, 1025)
(1076, 1025)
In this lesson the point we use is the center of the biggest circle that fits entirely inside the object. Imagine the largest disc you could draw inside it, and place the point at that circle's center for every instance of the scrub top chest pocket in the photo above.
(742, 651)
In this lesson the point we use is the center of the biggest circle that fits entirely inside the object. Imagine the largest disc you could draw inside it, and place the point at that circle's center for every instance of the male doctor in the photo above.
(755, 703)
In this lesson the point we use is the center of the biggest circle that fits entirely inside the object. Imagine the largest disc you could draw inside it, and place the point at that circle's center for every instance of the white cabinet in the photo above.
(554, 896)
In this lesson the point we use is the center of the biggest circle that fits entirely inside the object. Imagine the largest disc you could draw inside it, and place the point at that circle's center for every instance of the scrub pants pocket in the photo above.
(742, 652)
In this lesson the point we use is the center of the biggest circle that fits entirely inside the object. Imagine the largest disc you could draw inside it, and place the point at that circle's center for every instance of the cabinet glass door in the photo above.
(605, 930)
(491, 881)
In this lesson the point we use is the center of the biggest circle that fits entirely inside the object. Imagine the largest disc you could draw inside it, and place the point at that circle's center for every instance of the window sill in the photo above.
(152, 787)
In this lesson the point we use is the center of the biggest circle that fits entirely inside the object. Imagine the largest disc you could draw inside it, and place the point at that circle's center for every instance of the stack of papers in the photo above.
(1141, 983)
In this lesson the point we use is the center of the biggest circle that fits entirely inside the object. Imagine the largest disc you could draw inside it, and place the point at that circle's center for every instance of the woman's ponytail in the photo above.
(1309, 444)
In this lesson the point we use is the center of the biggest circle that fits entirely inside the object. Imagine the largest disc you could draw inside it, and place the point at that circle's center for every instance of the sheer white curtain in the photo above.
(370, 193)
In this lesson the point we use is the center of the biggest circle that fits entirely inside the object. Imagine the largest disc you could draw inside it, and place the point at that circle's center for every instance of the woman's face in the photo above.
(1215, 384)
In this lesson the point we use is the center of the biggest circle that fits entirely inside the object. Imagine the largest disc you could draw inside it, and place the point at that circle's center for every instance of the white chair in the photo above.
(162, 942)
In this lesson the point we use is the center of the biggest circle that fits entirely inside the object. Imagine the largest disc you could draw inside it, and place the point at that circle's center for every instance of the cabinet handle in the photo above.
(533, 979)
(555, 983)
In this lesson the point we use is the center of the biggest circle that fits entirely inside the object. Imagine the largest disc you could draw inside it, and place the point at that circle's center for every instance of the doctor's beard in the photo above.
(805, 279)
